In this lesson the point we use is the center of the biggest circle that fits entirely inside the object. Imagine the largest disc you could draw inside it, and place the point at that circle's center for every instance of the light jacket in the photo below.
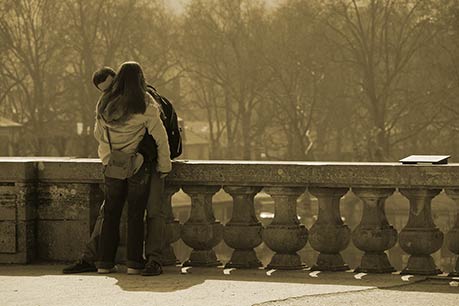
(126, 136)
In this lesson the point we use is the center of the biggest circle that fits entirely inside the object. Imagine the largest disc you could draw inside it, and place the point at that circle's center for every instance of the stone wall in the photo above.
(17, 212)
(47, 207)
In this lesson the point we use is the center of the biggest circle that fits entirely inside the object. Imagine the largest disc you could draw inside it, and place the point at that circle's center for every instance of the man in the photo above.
(156, 216)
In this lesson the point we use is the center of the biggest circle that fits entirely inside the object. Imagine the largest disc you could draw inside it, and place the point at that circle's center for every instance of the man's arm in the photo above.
(156, 129)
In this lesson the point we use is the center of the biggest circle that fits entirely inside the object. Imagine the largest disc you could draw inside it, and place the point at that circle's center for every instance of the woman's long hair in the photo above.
(126, 95)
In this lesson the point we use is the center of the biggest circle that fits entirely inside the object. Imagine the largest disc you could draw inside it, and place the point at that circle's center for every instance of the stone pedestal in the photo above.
(202, 232)
(329, 235)
(285, 235)
(374, 234)
(420, 237)
(452, 237)
(18, 212)
(173, 227)
(63, 223)
(17, 223)
(243, 231)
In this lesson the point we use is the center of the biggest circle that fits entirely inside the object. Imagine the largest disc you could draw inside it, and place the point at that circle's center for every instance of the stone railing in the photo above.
(46, 206)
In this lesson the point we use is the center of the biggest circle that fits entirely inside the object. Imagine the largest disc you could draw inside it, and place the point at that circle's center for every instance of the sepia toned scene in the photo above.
(229, 152)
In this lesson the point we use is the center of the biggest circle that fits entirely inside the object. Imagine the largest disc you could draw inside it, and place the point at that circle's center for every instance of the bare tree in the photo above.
(221, 44)
(297, 70)
(379, 39)
(29, 34)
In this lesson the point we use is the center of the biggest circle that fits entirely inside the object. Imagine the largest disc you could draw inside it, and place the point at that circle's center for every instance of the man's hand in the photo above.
(162, 175)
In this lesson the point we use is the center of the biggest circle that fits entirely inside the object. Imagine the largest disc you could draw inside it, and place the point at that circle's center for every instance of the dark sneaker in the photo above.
(152, 268)
(79, 266)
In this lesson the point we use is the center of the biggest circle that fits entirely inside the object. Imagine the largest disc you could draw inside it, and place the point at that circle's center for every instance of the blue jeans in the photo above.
(135, 191)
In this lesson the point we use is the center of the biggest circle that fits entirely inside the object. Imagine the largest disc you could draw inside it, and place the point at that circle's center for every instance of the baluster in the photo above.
(420, 237)
(285, 235)
(329, 235)
(452, 237)
(202, 232)
(374, 234)
(243, 231)
(172, 227)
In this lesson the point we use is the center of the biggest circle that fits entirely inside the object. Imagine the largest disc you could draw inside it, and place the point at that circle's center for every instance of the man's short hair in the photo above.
(101, 75)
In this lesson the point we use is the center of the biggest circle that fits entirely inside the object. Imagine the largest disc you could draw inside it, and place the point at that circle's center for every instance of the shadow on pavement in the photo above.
(174, 280)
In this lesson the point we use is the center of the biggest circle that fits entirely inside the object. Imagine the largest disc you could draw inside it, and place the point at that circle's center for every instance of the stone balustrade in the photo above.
(46, 204)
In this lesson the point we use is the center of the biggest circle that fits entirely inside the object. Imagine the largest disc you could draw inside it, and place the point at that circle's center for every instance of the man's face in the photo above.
(105, 84)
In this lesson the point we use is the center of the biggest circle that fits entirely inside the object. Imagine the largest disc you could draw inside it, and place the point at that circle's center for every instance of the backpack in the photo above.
(148, 146)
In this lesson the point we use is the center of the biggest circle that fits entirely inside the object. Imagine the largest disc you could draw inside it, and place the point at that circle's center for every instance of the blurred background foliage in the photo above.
(368, 80)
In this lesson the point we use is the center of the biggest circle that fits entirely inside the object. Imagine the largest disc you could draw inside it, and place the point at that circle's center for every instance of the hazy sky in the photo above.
(178, 5)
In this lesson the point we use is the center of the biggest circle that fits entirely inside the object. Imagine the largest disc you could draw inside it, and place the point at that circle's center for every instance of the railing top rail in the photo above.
(248, 173)
(327, 174)
(310, 163)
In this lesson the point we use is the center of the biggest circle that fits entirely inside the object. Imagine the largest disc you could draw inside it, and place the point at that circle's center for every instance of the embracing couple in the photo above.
(135, 153)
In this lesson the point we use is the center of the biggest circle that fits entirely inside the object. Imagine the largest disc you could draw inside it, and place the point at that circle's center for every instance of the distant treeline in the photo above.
(304, 80)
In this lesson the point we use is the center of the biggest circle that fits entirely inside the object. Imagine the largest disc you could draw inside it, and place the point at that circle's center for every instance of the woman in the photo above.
(124, 111)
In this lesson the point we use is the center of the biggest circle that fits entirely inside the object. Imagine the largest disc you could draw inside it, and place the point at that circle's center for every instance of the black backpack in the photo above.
(147, 146)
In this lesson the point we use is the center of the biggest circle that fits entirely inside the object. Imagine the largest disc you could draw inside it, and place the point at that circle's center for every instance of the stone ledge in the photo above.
(246, 173)
(332, 174)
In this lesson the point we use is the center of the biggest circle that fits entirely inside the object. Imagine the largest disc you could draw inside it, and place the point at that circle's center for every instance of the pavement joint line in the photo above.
(313, 295)
(341, 292)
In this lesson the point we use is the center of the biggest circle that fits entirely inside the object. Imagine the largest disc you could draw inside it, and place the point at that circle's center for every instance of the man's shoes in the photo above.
(107, 271)
(152, 268)
(80, 266)
(132, 271)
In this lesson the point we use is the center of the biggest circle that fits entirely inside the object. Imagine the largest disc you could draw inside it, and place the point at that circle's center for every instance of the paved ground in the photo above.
(36, 285)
